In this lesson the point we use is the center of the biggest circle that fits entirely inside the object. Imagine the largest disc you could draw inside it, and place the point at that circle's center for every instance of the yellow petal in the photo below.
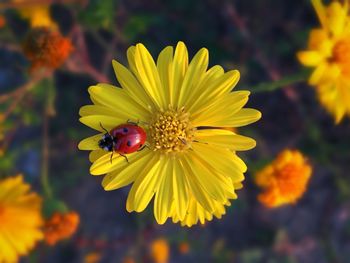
(239, 163)
(212, 186)
(148, 76)
(243, 117)
(180, 65)
(310, 58)
(100, 110)
(222, 174)
(194, 74)
(165, 70)
(209, 77)
(145, 186)
(90, 143)
(164, 196)
(180, 189)
(116, 98)
(101, 122)
(222, 107)
(198, 191)
(96, 154)
(220, 86)
(106, 164)
(127, 172)
(318, 74)
(130, 53)
(225, 139)
(337, 18)
(131, 85)
(221, 160)
(321, 11)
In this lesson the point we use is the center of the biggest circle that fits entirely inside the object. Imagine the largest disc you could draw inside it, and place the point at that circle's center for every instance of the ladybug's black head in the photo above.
(107, 142)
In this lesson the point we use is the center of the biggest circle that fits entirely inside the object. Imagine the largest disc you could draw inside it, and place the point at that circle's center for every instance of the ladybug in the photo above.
(123, 139)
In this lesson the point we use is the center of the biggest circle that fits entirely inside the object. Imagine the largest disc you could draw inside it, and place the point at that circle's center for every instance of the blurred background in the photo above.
(40, 131)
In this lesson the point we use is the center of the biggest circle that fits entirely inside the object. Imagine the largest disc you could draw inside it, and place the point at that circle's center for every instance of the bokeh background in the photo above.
(260, 39)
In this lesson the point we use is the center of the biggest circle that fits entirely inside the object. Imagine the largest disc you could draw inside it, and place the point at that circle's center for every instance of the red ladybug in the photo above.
(123, 139)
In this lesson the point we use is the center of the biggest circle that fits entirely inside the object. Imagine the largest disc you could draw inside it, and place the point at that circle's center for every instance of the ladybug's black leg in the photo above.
(200, 142)
(104, 128)
(142, 147)
(182, 140)
(126, 158)
(132, 122)
(111, 156)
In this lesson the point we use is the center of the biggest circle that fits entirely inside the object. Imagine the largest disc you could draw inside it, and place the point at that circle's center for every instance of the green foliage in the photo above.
(51, 206)
(140, 24)
(99, 14)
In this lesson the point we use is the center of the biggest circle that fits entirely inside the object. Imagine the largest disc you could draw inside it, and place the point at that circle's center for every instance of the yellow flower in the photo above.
(329, 53)
(187, 162)
(160, 250)
(37, 14)
(20, 219)
(284, 181)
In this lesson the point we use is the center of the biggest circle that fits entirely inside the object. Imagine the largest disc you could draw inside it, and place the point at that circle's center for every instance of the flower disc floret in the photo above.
(171, 131)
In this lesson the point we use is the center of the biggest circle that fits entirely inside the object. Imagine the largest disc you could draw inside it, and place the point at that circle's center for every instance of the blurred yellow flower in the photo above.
(329, 53)
(185, 166)
(284, 181)
(37, 14)
(60, 226)
(20, 219)
(159, 250)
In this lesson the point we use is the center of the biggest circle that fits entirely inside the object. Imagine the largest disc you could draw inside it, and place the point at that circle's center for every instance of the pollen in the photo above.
(171, 131)
(341, 55)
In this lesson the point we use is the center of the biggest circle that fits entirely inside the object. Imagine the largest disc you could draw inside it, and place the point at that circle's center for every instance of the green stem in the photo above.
(48, 109)
(45, 158)
(281, 83)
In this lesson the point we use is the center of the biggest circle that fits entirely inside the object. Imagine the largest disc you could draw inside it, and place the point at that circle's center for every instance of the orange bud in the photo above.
(45, 48)
(60, 226)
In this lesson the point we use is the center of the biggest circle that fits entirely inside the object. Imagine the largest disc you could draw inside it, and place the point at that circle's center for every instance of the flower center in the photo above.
(171, 131)
(341, 55)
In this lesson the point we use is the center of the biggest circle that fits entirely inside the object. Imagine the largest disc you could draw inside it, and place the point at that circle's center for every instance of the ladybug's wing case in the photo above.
(128, 138)
(129, 143)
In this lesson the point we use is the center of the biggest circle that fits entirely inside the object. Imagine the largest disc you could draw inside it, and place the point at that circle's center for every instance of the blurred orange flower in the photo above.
(285, 180)
(2, 21)
(92, 257)
(20, 219)
(128, 260)
(60, 226)
(184, 247)
(46, 48)
(160, 250)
